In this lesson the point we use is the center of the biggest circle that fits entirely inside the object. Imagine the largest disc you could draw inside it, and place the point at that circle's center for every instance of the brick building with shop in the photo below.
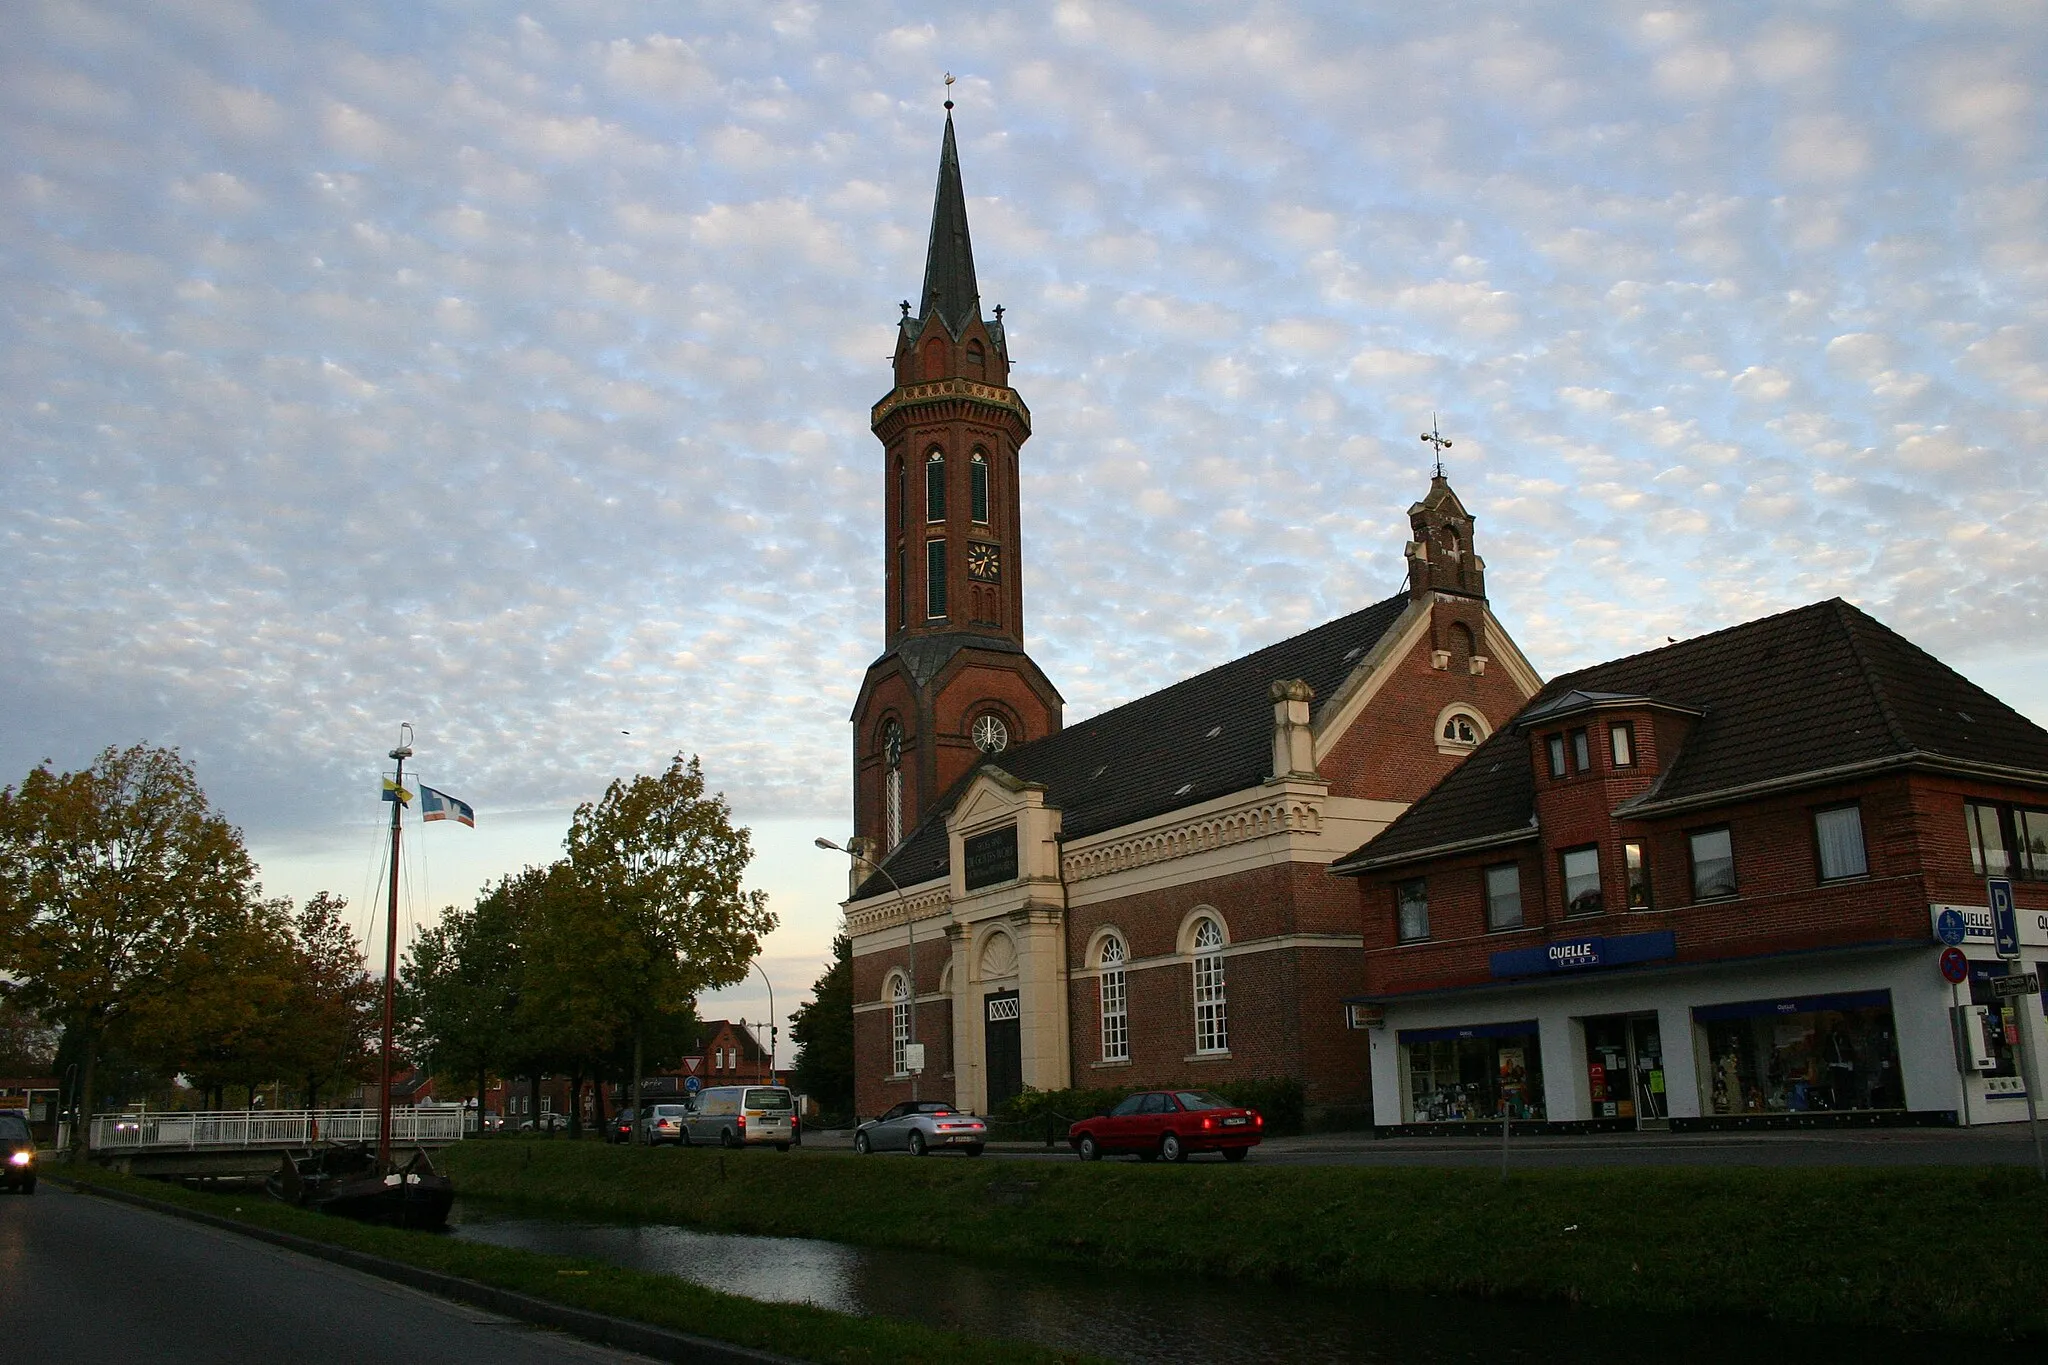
(1141, 898)
(1700, 887)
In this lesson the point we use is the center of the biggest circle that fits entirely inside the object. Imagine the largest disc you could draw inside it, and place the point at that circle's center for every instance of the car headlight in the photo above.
(21, 1158)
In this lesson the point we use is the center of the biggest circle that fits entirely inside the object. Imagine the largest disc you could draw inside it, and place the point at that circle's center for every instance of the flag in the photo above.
(441, 806)
(394, 792)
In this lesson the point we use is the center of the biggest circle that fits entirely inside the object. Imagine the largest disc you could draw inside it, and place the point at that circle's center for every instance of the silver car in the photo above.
(920, 1126)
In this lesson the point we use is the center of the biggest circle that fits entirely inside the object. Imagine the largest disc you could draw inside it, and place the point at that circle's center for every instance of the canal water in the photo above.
(1172, 1321)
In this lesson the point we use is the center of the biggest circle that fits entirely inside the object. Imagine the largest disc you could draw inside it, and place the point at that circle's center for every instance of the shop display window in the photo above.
(1816, 1053)
(1472, 1074)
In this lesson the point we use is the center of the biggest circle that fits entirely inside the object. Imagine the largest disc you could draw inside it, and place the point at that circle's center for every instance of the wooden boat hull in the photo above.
(345, 1182)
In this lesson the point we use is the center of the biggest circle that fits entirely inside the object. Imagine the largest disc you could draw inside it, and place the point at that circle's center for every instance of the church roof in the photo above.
(1198, 739)
(949, 287)
(1788, 700)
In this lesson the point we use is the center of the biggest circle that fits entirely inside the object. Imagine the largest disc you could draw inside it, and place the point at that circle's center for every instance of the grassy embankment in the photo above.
(1917, 1249)
(788, 1329)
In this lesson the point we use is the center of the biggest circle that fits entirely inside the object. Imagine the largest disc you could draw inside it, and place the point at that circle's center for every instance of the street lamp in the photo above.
(910, 933)
(771, 1018)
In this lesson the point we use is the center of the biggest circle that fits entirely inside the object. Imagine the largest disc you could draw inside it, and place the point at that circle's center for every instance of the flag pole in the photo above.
(401, 753)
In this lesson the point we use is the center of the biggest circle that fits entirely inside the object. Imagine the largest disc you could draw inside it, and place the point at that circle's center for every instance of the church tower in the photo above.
(953, 682)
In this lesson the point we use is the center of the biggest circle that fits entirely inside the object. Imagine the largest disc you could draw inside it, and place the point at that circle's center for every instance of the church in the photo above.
(1142, 898)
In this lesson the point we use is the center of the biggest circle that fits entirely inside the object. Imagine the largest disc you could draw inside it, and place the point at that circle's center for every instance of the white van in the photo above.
(743, 1115)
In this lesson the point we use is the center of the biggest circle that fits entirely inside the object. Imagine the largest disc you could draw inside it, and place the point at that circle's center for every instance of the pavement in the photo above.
(87, 1279)
(2005, 1145)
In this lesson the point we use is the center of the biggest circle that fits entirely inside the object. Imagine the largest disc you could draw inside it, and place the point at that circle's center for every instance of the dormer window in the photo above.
(1555, 744)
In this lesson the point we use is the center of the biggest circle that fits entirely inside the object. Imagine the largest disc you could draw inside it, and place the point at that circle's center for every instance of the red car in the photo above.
(1170, 1124)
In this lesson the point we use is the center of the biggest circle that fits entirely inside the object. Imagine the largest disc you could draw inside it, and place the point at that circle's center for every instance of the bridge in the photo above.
(252, 1141)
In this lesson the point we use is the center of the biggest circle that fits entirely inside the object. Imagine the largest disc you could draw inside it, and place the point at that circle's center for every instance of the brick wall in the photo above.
(1390, 752)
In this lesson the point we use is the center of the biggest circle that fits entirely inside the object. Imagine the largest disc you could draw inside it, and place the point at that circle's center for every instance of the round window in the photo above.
(990, 735)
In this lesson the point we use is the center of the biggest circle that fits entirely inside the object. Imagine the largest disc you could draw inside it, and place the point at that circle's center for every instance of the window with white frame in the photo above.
(1212, 1013)
(899, 1022)
(1116, 1022)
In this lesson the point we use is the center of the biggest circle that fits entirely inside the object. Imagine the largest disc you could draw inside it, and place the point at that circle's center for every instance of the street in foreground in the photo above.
(85, 1279)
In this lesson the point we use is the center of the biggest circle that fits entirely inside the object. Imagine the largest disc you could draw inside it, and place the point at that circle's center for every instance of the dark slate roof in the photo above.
(949, 287)
(925, 655)
(1783, 699)
(1201, 738)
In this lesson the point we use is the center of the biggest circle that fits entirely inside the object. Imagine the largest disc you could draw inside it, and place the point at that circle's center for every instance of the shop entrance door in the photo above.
(1625, 1069)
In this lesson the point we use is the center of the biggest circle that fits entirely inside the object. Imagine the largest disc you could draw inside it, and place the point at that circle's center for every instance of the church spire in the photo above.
(949, 287)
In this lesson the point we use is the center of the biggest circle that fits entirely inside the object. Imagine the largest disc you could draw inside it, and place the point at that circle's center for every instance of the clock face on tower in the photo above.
(984, 562)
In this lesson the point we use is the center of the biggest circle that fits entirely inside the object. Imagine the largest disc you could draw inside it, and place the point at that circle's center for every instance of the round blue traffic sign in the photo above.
(1955, 968)
(1950, 928)
(691, 1084)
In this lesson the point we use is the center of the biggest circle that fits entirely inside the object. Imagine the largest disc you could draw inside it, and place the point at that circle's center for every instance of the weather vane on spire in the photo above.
(1440, 441)
(949, 92)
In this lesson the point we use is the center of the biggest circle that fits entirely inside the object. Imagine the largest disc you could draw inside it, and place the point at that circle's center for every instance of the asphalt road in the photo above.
(2007, 1145)
(89, 1280)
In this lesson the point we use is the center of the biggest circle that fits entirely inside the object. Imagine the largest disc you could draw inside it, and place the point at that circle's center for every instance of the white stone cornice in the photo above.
(1256, 813)
(929, 901)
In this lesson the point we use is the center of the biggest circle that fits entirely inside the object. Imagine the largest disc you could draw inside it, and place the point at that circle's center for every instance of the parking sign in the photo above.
(2005, 919)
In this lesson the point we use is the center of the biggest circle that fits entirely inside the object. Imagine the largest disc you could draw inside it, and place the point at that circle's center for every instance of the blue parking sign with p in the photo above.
(2005, 918)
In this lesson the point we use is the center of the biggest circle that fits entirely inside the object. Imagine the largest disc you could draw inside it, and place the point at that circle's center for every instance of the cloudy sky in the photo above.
(505, 369)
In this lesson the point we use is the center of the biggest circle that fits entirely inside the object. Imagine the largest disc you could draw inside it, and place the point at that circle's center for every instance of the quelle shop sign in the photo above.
(1977, 926)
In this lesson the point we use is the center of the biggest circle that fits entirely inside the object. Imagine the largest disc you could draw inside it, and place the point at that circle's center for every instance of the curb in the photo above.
(621, 1333)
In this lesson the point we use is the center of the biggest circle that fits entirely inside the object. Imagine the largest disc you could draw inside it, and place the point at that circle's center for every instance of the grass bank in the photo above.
(796, 1330)
(1914, 1249)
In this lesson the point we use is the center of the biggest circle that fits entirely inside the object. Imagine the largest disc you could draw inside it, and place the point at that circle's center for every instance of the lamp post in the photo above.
(771, 1018)
(910, 933)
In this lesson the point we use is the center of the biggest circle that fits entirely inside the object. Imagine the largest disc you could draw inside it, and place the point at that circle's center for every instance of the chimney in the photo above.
(1294, 747)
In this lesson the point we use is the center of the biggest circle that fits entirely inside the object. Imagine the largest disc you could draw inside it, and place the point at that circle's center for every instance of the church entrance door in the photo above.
(1003, 1048)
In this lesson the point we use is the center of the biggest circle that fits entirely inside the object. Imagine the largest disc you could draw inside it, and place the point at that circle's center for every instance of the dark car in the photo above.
(1169, 1123)
(620, 1129)
(17, 1153)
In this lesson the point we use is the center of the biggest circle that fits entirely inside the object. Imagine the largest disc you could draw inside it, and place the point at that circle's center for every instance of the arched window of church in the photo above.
(935, 486)
(892, 785)
(899, 1021)
(1212, 1011)
(1461, 641)
(975, 359)
(1116, 1019)
(1459, 729)
(978, 487)
(935, 359)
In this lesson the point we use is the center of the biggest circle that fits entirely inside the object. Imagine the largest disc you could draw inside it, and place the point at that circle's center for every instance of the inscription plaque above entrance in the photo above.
(990, 859)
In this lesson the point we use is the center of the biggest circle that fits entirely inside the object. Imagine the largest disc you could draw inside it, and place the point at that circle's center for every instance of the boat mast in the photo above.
(401, 753)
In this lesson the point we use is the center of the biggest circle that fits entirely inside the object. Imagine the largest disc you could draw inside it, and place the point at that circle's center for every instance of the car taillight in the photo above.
(1258, 1121)
(742, 1121)
(1208, 1123)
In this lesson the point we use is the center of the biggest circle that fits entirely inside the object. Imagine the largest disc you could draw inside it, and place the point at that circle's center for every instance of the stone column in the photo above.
(1041, 986)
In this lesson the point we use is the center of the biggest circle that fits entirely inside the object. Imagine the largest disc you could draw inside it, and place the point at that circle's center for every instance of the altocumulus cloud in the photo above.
(507, 371)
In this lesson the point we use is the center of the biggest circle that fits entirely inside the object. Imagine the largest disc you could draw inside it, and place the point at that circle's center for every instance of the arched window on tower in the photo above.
(934, 578)
(935, 486)
(1116, 1019)
(976, 360)
(978, 487)
(935, 359)
(892, 785)
(1212, 1011)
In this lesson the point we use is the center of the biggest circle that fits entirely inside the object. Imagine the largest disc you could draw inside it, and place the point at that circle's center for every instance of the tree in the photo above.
(822, 1028)
(226, 1019)
(334, 1020)
(28, 1046)
(107, 878)
(664, 862)
(460, 985)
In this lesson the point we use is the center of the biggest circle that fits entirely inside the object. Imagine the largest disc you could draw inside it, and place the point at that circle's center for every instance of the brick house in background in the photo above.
(1140, 898)
(1699, 886)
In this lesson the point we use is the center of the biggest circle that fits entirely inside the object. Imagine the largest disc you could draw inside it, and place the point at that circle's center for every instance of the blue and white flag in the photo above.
(441, 806)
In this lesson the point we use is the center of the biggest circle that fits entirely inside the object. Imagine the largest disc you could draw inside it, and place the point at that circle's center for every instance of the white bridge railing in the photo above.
(245, 1128)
